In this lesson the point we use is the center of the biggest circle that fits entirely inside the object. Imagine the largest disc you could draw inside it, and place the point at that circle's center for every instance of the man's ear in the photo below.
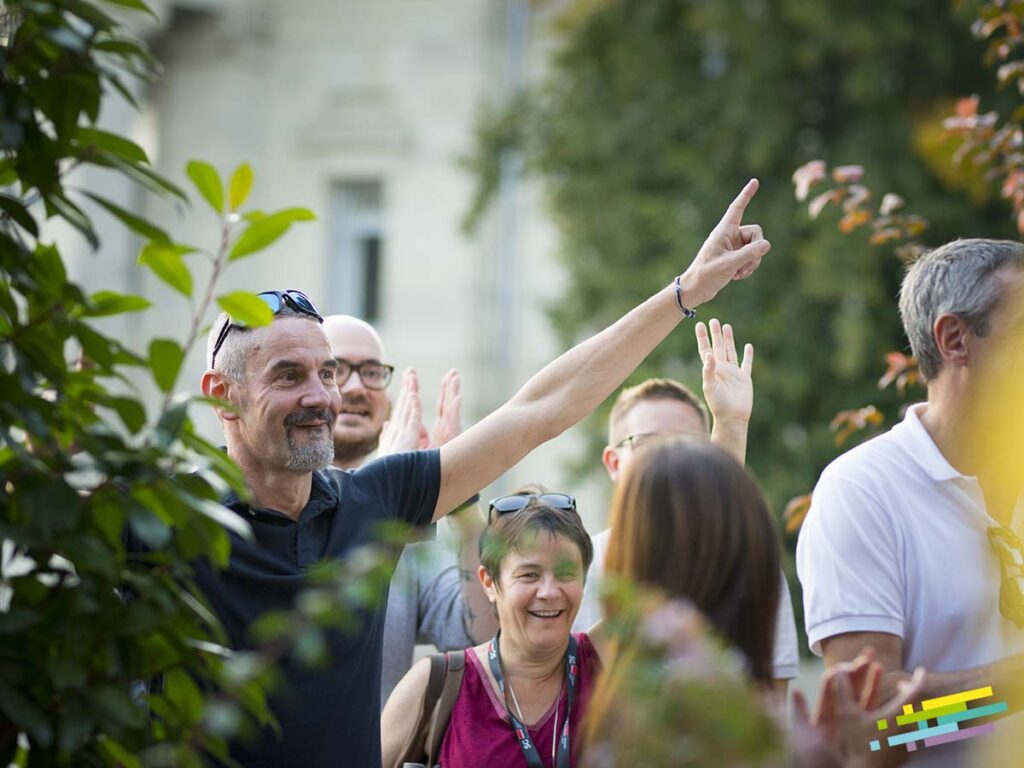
(215, 384)
(951, 332)
(610, 459)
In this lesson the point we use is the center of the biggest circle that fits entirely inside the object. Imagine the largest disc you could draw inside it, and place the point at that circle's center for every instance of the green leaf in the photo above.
(238, 188)
(171, 422)
(119, 756)
(263, 232)
(133, 222)
(246, 308)
(112, 143)
(103, 303)
(136, 5)
(144, 175)
(74, 216)
(148, 525)
(207, 181)
(165, 359)
(24, 713)
(182, 691)
(19, 214)
(166, 262)
(132, 412)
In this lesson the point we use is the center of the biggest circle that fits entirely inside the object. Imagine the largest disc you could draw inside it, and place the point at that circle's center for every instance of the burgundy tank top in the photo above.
(479, 733)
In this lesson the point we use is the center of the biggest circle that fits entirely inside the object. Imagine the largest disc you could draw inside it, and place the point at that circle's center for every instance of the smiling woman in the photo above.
(523, 693)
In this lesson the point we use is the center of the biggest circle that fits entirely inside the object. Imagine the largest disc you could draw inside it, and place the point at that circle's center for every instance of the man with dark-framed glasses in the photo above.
(280, 385)
(435, 597)
(909, 546)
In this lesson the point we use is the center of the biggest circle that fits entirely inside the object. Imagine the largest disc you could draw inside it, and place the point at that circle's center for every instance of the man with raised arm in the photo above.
(909, 546)
(280, 382)
(429, 601)
(659, 408)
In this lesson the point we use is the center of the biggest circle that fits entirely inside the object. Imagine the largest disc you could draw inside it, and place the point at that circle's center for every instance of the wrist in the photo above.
(689, 287)
(730, 422)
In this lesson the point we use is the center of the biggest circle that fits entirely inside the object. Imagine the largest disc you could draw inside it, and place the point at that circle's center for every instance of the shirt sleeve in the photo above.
(848, 562)
(405, 484)
(786, 664)
(441, 606)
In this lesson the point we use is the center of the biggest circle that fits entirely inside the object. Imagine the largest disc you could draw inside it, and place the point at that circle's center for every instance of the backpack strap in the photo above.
(456, 664)
(416, 743)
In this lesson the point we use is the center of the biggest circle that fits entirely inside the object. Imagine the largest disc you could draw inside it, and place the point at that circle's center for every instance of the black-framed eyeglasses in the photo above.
(1007, 546)
(373, 374)
(506, 505)
(276, 300)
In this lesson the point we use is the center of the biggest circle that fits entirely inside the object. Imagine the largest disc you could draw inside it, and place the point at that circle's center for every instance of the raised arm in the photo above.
(728, 386)
(571, 386)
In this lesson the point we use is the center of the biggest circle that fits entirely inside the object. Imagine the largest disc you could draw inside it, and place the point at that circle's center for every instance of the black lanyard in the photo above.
(520, 731)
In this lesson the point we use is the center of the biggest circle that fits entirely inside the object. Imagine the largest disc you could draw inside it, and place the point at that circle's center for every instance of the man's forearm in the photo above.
(478, 614)
(574, 384)
(731, 434)
(1004, 676)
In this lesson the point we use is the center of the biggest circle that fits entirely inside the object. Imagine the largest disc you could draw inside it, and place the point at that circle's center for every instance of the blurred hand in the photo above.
(845, 723)
(448, 423)
(732, 251)
(728, 386)
(404, 430)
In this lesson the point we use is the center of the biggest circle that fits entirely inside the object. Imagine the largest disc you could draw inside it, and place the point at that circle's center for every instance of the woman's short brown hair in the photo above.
(511, 532)
(689, 520)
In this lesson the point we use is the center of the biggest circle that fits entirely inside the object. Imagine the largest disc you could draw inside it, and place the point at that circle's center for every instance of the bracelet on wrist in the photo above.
(687, 312)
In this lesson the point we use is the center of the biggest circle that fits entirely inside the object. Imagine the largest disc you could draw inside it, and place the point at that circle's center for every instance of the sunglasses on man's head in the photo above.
(506, 505)
(277, 301)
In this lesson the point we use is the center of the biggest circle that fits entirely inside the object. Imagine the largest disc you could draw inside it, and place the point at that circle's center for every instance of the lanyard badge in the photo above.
(519, 729)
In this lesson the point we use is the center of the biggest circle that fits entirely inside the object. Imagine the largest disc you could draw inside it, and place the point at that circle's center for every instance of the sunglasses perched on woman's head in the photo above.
(277, 301)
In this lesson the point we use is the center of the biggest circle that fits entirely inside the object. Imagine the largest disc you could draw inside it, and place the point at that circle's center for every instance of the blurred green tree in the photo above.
(653, 114)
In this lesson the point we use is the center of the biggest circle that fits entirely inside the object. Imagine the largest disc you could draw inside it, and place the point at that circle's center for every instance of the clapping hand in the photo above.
(448, 423)
(727, 383)
(732, 251)
(405, 430)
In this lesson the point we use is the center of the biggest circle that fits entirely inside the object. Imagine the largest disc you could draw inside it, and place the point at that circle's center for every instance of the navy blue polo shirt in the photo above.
(329, 716)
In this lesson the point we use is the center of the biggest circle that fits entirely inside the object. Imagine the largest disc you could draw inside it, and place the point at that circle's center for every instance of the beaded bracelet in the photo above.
(687, 312)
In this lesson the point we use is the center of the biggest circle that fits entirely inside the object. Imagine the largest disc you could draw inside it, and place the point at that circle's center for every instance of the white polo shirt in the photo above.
(896, 541)
(786, 660)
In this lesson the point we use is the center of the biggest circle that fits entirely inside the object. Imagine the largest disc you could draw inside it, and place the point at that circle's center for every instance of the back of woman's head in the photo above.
(689, 520)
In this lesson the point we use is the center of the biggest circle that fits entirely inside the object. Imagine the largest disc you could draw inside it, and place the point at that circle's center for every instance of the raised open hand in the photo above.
(404, 430)
(448, 423)
(840, 732)
(727, 383)
(732, 251)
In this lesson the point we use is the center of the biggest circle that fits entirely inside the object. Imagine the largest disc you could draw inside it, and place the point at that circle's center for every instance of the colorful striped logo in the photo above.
(949, 713)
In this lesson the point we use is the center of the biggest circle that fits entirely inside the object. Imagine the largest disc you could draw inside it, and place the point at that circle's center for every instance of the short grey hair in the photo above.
(234, 352)
(958, 278)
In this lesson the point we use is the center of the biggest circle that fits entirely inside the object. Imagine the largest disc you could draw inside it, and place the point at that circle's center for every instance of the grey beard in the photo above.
(306, 458)
(348, 452)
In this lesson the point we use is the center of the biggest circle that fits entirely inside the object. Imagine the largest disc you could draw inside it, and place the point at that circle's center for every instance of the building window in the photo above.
(356, 249)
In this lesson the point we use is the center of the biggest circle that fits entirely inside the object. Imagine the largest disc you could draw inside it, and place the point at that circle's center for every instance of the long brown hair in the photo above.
(690, 521)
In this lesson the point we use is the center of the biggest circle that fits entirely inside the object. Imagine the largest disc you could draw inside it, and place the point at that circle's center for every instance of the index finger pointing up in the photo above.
(734, 214)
